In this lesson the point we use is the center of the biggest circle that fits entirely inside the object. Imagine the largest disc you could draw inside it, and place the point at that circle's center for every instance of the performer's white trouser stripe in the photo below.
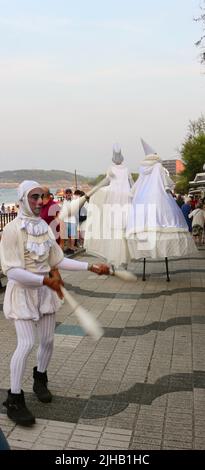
(26, 335)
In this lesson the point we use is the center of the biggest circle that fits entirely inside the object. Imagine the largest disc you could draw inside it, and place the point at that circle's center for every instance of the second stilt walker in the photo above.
(156, 226)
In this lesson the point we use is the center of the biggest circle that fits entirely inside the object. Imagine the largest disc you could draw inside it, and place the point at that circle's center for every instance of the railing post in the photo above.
(5, 218)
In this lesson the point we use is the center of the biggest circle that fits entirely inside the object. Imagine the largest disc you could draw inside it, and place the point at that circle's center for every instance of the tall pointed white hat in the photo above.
(117, 155)
(147, 149)
(116, 148)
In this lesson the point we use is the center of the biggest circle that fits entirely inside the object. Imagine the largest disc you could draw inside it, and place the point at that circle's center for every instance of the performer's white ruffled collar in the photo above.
(118, 165)
(38, 241)
(148, 163)
(151, 160)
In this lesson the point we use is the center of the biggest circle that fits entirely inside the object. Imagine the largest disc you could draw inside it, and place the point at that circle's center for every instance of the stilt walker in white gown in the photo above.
(156, 227)
(107, 215)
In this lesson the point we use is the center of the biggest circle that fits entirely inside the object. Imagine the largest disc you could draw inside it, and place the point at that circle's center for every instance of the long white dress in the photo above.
(156, 226)
(107, 218)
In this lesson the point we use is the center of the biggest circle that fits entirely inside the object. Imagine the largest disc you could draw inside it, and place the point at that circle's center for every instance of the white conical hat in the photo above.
(147, 149)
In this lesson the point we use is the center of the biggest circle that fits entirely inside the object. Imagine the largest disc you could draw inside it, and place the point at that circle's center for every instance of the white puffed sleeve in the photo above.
(11, 248)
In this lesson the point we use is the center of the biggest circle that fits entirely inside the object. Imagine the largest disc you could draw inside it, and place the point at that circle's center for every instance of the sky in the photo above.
(76, 77)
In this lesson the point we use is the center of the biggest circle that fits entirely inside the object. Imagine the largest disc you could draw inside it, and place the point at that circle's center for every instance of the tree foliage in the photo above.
(181, 185)
(201, 42)
(196, 128)
(95, 181)
(135, 176)
(192, 153)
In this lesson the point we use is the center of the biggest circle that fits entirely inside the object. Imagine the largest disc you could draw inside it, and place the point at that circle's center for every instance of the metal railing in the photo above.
(5, 218)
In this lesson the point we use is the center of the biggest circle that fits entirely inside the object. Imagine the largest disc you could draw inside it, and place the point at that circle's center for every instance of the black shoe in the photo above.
(40, 386)
(69, 251)
(17, 409)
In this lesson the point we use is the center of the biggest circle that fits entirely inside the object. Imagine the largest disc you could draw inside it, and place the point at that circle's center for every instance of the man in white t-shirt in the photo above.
(68, 230)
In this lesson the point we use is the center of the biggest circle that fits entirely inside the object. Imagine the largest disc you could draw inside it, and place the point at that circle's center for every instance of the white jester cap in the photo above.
(23, 190)
(25, 187)
(117, 155)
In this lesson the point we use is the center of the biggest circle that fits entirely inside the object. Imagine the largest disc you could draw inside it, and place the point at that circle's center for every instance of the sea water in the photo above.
(9, 195)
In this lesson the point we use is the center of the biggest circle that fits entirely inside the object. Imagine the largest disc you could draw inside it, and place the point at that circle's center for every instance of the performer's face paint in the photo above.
(35, 200)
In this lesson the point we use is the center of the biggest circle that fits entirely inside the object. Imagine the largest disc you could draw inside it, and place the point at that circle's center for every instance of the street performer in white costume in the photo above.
(156, 226)
(107, 215)
(31, 257)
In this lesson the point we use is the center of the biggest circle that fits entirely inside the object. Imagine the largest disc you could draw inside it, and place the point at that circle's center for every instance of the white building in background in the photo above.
(174, 166)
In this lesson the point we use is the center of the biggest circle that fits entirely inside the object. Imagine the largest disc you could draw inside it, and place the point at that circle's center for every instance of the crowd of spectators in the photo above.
(194, 213)
(69, 232)
(67, 229)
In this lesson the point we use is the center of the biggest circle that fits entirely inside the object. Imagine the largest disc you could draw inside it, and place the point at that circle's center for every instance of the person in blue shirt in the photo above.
(186, 209)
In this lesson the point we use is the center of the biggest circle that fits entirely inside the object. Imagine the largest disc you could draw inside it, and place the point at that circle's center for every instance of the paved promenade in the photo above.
(142, 385)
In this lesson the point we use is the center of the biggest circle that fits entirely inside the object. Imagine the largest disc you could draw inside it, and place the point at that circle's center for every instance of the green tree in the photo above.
(181, 186)
(192, 153)
(135, 176)
(95, 181)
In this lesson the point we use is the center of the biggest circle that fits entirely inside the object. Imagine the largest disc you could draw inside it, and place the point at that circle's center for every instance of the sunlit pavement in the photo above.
(141, 386)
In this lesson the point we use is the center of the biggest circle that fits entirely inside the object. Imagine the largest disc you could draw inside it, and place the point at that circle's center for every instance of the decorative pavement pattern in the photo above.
(141, 386)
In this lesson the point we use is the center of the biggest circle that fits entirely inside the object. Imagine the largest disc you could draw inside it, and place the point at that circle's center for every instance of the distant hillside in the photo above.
(57, 177)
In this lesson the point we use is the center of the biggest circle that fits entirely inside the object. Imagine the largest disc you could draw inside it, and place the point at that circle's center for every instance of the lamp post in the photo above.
(76, 185)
